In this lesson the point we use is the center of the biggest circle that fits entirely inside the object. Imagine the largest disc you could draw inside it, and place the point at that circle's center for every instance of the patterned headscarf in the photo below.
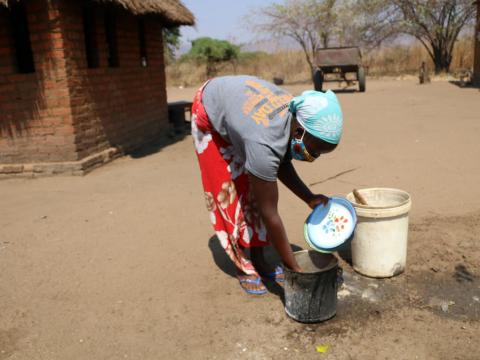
(320, 114)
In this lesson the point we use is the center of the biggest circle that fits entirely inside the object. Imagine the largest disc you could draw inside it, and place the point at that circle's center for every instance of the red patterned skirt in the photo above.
(233, 212)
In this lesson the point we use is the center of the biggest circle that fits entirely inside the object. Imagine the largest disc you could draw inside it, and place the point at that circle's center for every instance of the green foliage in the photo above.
(171, 39)
(210, 50)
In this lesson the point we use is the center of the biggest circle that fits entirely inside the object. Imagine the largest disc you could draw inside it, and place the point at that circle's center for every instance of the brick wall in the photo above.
(66, 111)
(35, 119)
(124, 106)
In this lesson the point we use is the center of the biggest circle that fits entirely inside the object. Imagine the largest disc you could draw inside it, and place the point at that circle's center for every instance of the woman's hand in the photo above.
(266, 196)
(317, 199)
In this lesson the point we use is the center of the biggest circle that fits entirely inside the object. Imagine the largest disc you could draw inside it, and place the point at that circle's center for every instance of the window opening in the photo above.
(90, 31)
(21, 39)
(111, 38)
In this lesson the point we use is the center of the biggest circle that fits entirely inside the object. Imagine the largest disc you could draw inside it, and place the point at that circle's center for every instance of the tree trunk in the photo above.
(210, 69)
(442, 59)
(325, 39)
(234, 65)
(312, 71)
(476, 59)
(310, 60)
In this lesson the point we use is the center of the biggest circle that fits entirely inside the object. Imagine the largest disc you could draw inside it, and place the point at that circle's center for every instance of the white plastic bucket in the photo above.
(379, 245)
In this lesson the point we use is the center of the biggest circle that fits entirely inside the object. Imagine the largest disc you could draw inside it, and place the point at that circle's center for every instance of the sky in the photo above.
(221, 19)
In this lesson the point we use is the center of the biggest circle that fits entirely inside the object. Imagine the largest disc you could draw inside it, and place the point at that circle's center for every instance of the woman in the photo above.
(246, 132)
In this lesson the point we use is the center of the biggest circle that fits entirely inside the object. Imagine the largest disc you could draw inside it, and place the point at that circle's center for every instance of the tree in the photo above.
(212, 51)
(310, 23)
(436, 24)
(346, 31)
(314, 24)
(171, 42)
(476, 60)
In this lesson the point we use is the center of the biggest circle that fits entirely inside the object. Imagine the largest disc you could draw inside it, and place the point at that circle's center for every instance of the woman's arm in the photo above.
(266, 196)
(289, 177)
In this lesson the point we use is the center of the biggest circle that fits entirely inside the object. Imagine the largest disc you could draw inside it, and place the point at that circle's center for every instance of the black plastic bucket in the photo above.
(311, 296)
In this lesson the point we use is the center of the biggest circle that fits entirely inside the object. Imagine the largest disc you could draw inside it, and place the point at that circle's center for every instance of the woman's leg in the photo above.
(223, 193)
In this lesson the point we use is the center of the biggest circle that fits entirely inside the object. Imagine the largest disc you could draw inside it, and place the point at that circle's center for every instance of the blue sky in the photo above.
(221, 19)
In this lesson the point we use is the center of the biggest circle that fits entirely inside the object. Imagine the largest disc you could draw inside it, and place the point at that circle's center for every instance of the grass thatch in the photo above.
(171, 10)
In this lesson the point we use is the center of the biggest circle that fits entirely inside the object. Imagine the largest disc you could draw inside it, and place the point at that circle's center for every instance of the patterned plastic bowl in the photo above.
(330, 226)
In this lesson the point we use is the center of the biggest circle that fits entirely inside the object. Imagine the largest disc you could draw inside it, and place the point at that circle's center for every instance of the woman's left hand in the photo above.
(317, 199)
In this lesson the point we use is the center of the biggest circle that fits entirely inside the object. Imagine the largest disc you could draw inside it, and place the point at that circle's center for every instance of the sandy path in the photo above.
(121, 263)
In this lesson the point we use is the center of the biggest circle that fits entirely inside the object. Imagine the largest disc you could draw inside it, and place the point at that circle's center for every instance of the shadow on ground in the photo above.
(224, 263)
(463, 84)
(157, 146)
(345, 91)
(308, 85)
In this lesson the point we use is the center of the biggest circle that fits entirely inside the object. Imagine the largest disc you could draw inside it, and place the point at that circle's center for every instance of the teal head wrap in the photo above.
(319, 114)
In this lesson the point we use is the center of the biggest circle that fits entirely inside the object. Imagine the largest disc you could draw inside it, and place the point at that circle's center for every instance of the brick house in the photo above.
(81, 81)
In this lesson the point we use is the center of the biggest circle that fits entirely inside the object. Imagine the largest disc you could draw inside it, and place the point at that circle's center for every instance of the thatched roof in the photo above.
(173, 11)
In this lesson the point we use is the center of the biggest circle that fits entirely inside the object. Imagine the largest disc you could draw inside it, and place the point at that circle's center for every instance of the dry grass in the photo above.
(405, 60)
(398, 61)
(288, 64)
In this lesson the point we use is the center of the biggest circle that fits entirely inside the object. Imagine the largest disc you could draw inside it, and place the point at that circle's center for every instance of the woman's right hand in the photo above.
(266, 196)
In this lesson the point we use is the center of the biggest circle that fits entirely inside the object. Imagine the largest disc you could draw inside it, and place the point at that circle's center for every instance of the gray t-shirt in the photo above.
(245, 110)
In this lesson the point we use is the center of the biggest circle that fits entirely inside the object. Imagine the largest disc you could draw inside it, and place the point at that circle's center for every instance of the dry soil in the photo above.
(122, 263)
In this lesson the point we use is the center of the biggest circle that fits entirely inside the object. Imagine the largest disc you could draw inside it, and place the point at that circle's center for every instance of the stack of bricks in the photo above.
(66, 117)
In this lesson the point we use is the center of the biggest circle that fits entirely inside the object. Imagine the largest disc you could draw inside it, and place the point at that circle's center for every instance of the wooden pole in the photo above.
(476, 66)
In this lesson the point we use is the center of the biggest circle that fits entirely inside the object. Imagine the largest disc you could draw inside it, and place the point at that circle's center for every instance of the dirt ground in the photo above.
(122, 263)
